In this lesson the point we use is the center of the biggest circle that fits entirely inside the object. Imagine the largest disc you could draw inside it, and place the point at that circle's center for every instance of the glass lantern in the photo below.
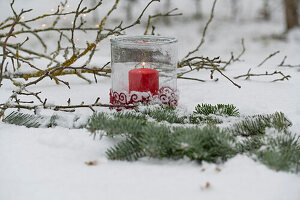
(144, 70)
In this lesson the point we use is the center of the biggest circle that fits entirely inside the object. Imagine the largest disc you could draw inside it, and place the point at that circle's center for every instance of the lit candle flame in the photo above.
(143, 63)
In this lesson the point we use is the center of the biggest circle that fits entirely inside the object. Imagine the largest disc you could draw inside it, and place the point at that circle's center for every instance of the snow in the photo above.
(48, 163)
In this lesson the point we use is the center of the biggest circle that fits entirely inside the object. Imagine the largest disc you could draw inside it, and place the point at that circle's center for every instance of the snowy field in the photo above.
(49, 163)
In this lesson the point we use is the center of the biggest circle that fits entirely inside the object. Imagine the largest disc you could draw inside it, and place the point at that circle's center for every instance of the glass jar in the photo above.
(144, 70)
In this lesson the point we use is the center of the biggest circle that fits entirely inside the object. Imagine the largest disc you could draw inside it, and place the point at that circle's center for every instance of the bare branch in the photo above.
(248, 75)
(193, 79)
(56, 13)
(168, 14)
(267, 58)
(232, 58)
(282, 64)
(217, 69)
(204, 31)
(78, 12)
(10, 33)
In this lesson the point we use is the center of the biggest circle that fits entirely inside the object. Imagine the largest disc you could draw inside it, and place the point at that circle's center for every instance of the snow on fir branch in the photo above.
(165, 132)
(265, 138)
(219, 109)
(207, 142)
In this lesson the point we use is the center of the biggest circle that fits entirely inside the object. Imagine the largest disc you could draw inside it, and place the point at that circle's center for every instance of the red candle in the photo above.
(144, 80)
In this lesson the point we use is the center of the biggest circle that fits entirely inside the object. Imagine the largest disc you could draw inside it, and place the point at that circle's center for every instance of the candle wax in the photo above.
(144, 80)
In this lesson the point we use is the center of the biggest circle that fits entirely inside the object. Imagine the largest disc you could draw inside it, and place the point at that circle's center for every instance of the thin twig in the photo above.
(232, 58)
(168, 14)
(204, 31)
(78, 12)
(31, 52)
(10, 33)
(67, 108)
(282, 64)
(56, 13)
(267, 58)
(217, 69)
(193, 79)
(248, 75)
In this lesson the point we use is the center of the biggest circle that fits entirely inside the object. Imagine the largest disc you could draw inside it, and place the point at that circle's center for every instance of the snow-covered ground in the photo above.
(49, 163)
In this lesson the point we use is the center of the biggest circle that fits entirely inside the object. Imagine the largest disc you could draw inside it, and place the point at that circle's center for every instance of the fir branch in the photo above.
(279, 121)
(279, 150)
(163, 113)
(156, 141)
(129, 115)
(39, 121)
(20, 119)
(101, 121)
(129, 150)
(219, 109)
(250, 144)
(203, 119)
(281, 153)
(257, 125)
(52, 121)
(207, 144)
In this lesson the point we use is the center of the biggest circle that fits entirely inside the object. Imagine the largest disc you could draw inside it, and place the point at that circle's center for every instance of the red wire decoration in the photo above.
(165, 96)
